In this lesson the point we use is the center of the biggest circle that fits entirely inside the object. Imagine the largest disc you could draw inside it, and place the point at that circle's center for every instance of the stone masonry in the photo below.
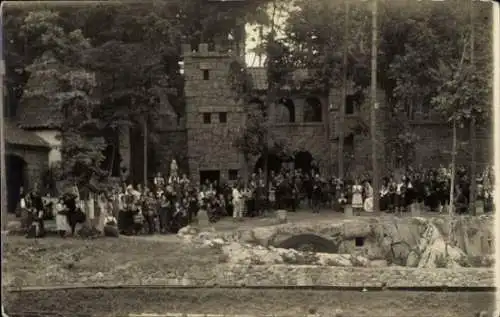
(210, 142)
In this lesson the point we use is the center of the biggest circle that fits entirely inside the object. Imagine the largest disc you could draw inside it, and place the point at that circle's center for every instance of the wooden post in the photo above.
(340, 155)
(3, 170)
(145, 149)
(453, 159)
(373, 112)
(472, 127)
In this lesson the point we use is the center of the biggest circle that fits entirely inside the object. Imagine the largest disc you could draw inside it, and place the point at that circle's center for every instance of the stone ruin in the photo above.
(431, 242)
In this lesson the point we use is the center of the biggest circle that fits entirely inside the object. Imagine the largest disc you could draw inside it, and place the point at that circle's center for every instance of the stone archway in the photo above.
(274, 163)
(285, 111)
(310, 243)
(16, 178)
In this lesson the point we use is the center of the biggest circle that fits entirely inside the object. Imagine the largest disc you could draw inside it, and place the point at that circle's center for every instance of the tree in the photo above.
(58, 77)
(414, 36)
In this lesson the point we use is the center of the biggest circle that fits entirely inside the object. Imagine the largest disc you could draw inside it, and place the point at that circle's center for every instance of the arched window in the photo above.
(285, 110)
(312, 110)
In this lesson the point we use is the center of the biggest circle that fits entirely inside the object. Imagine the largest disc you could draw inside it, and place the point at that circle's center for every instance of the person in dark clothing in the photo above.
(163, 213)
(36, 228)
(73, 214)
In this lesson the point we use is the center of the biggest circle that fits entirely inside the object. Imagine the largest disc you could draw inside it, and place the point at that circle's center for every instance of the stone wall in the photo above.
(318, 276)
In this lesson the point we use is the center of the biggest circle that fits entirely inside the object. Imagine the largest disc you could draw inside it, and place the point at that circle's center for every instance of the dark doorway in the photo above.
(274, 163)
(285, 111)
(16, 168)
(303, 160)
(211, 176)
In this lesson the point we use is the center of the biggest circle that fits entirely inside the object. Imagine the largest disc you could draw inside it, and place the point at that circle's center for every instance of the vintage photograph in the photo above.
(321, 158)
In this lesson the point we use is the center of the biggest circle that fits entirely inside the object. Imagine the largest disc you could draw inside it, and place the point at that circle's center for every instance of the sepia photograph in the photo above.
(287, 158)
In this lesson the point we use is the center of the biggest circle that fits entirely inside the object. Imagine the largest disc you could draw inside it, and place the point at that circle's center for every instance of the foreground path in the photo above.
(123, 302)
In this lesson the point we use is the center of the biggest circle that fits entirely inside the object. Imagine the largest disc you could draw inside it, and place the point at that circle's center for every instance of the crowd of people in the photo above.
(170, 203)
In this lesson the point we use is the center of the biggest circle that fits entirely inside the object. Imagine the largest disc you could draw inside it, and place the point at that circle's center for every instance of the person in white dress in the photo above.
(357, 198)
(368, 204)
(62, 224)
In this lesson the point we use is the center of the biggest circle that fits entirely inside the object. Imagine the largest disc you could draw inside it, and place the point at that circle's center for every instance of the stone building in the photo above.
(308, 123)
(202, 140)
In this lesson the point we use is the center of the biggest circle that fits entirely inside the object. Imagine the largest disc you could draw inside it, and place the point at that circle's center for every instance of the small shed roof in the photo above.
(17, 136)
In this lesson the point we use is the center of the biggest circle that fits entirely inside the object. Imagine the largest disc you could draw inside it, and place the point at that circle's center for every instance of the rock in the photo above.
(202, 218)
(240, 254)
(281, 216)
(334, 259)
(264, 235)
(356, 229)
(360, 261)
(378, 263)
(412, 259)
(438, 255)
(184, 231)
(111, 231)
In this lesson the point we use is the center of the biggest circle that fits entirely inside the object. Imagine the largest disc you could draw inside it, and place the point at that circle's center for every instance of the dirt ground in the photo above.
(125, 260)
(244, 301)
(56, 261)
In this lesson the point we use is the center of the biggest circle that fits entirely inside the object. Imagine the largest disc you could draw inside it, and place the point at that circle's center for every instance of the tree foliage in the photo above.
(59, 77)
(113, 64)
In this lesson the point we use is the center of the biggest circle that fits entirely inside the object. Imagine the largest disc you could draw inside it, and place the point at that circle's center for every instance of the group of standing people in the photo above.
(171, 203)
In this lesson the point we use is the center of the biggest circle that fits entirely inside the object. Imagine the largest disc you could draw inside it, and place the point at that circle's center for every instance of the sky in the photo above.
(252, 36)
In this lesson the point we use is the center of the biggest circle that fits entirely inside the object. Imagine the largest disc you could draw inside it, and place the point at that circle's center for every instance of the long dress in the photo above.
(61, 219)
(357, 198)
(368, 204)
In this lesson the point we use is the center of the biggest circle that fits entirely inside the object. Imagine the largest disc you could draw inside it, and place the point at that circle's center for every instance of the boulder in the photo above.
(439, 255)
(202, 218)
(111, 231)
(281, 216)
(356, 229)
(413, 259)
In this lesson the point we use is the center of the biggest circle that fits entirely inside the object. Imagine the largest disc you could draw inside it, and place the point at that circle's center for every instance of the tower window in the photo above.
(207, 118)
(206, 74)
(222, 117)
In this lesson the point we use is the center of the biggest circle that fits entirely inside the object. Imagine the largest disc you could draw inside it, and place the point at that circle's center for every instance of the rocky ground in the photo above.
(121, 302)
(436, 242)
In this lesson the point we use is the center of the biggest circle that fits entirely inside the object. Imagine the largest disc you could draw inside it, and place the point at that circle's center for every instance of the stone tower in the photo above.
(213, 114)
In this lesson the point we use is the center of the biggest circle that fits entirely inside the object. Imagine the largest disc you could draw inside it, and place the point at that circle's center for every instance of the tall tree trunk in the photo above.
(373, 114)
(453, 167)
(270, 99)
(340, 155)
(472, 127)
